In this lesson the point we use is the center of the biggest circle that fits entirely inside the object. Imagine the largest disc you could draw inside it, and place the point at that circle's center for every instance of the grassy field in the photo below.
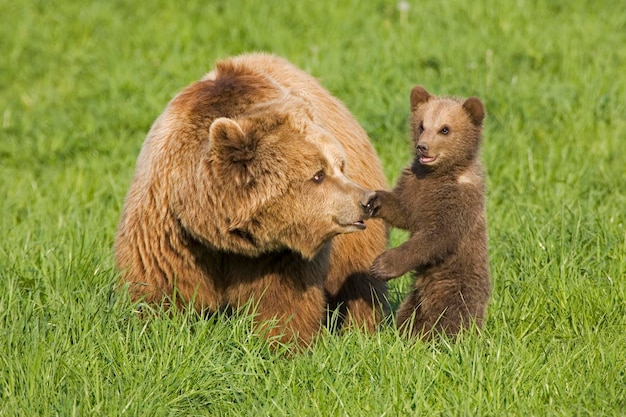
(80, 85)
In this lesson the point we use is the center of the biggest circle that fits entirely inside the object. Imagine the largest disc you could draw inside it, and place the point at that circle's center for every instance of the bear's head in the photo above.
(275, 180)
(446, 131)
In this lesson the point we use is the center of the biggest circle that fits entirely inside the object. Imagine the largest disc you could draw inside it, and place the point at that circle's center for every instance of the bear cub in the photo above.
(440, 200)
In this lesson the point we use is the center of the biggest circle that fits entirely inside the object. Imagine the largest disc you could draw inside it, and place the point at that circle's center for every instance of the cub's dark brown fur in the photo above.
(440, 199)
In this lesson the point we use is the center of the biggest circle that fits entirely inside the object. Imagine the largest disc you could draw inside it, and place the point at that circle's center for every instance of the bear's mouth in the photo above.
(353, 227)
(359, 225)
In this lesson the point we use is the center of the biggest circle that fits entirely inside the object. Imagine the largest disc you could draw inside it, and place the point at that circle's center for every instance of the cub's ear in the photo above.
(474, 107)
(232, 150)
(419, 95)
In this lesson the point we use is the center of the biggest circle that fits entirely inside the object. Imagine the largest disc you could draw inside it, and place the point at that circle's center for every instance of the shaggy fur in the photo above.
(440, 200)
(247, 189)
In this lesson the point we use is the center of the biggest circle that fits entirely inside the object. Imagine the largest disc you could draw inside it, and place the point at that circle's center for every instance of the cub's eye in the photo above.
(318, 177)
(444, 130)
(421, 127)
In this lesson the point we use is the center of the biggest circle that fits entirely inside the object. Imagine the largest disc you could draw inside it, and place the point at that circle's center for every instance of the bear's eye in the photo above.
(444, 130)
(421, 127)
(318, 177)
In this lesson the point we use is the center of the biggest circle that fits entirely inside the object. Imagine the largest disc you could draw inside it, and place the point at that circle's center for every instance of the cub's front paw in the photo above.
(372, 206)
(384, 268)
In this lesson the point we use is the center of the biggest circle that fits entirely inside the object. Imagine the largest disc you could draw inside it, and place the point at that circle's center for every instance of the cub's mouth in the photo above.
(425, 159)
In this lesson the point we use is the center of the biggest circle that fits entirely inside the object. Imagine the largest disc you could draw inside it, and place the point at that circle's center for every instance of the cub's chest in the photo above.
(417, 192)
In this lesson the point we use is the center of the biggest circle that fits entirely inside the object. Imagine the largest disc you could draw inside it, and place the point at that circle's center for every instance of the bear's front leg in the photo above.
(287, 310)
(292, 324)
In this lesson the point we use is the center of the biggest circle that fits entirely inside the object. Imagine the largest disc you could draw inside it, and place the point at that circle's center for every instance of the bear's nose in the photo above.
(422, 147)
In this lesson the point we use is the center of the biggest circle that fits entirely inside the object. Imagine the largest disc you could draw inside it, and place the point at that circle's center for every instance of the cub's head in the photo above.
(278, 181)
(446, 131)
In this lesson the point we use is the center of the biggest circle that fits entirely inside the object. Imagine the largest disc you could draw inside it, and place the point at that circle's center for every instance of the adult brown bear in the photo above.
(247, 189)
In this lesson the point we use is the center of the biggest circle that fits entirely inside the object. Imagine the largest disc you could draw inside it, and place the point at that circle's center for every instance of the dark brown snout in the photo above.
(422, 148)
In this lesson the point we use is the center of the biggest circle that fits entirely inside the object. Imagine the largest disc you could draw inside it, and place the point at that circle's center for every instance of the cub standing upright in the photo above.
(440, 200)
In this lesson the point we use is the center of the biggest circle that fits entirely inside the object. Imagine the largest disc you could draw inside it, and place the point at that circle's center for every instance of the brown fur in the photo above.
(244, 192)
(441, 202)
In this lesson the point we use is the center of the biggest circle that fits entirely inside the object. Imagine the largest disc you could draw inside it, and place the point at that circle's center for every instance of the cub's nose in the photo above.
(422, 147)
(367, 199)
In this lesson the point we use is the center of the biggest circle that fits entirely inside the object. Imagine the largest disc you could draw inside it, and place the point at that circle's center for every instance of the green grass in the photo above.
(80, 85)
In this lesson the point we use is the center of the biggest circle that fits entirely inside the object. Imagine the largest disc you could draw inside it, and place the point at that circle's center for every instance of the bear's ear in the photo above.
(232, 149)
(474, 107)
(419, 95)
